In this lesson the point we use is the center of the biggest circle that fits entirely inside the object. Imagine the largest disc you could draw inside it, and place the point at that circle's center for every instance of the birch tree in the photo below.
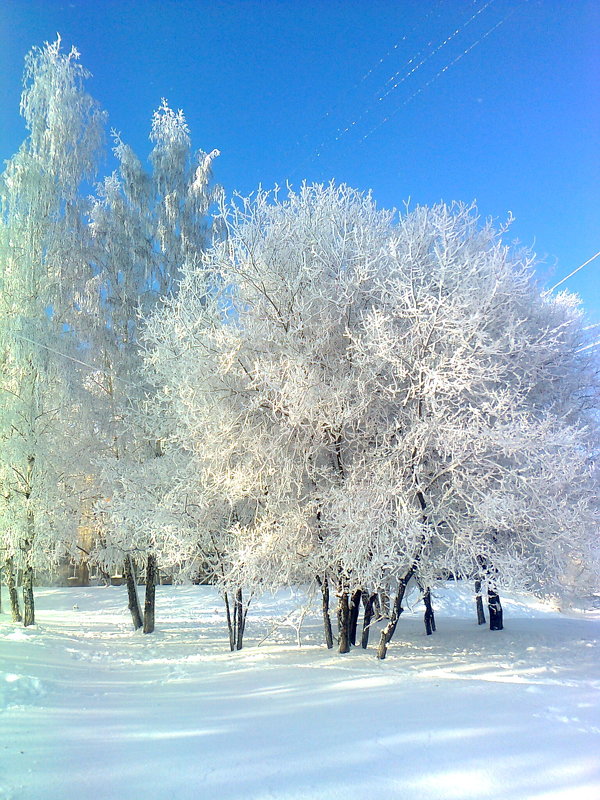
(40, 218)
(145, 225)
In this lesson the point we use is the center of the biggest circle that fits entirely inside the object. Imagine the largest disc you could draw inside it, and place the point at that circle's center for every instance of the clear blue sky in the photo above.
(514, 122)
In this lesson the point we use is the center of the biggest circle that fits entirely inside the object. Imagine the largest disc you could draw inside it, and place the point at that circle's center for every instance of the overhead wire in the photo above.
(403, 39)
(588, 346)
(330, 111)
(385, 57)
(316, 153)
(570, 275)
(433, 52)
(382, 93)
(438, 75)
(560, 283)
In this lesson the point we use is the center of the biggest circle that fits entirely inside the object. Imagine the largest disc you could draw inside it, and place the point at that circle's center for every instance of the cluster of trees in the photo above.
(305, 391)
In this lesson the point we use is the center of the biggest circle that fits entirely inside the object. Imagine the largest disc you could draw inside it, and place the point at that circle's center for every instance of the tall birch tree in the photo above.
(145, 225)
(40, 222)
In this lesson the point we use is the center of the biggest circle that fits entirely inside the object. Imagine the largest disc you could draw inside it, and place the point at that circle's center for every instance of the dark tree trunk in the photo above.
(429, 615)
(495, 611)
(134, 603)
(479, 604)
(390, 628)
(369, 603)
(28, 599)
(13, 594)
(149, 600)
(353, 619)
(240, 618)
(343, 623)
(245, 616)
(236, 623)
(230, 626)
(324, 584)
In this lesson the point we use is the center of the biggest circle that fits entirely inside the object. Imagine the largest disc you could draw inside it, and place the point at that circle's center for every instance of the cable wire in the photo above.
(570, 275)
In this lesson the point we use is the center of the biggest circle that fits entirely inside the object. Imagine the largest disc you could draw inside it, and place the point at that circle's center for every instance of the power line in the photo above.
(570, 275)
(340, 133)
(397, 45)
(436, 50)
(386, 56)
(438, 75)
(383, 91)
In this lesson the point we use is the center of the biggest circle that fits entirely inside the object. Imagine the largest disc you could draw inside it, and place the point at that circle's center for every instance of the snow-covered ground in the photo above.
(90, 709)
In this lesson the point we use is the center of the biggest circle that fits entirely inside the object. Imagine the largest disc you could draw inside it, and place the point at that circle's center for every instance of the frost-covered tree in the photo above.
(492, 404)
(41, 258)
(192, 524)
(260, 382)
(145, 226)
(385, 402)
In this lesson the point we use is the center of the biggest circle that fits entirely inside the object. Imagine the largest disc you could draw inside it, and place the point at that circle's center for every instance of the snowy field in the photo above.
(90, 709)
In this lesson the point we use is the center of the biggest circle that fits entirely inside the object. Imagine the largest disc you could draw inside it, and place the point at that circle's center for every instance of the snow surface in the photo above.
(90, 709)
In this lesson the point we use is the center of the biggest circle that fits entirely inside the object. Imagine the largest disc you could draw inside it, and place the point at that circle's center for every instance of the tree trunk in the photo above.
(479, 604)
(324, 584)
(240, 618)
(28, 599)
(236, 622)
(495, 610)
(369, 603)
(245, 615)
(353, 619)
(230, 627)
(134, 603)
(429, 615)
(149, 600)
(13, 595)
(343, 623)
(390, 628)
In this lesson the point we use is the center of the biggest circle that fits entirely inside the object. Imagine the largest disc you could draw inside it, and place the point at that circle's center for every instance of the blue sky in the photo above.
(503, 107)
